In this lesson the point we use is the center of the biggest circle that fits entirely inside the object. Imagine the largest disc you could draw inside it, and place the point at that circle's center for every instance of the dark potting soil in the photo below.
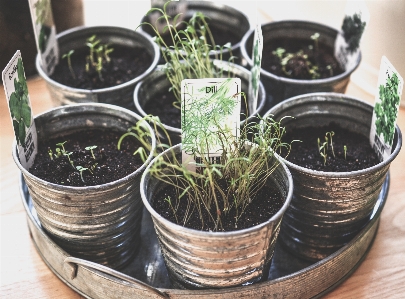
(126, 64)
(220, 34)
(109, 164)
(359, 154)
(267, 202)
(297, 67)
(162, 106)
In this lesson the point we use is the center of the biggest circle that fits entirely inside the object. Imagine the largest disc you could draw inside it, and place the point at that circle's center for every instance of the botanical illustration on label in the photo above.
(173, 8)
(386, 107)
(210, 116)
(45, 33)
(347, 44)
(15, 87)
(254, 79)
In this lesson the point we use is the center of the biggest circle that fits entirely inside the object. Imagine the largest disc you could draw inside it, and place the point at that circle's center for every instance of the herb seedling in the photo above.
(91, 148)
(323, 147)
(81, 169)
(345, 150)
(69, 61)
(98, 56)
(315, 38)
(189, 57)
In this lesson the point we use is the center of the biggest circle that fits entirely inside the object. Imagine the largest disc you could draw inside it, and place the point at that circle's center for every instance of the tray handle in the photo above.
(74, 262)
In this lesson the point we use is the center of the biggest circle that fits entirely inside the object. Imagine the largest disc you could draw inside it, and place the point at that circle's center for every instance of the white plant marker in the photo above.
(206, 105)
(45, 33)
(174, 8)
(347, 46)
(15, 87)
(254, 78)
(386, 107)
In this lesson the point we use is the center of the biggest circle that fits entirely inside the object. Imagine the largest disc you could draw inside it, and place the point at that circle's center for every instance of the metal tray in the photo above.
(146, 276)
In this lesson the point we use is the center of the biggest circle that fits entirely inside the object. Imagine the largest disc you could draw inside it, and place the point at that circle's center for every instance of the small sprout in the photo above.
(68, 156)
(315, 38)
(61, 145)
(81, 169)
(91, 148)
(58, 153)
(169, 201)
(92, 167)
(345, 150)
(69, 61)
(50, 153)
(279, 52)
(99, 54)
(331, 133)
(329, 67)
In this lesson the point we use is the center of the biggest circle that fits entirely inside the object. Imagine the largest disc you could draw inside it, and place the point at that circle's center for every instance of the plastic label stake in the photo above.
(386, 107)
(15, 87)
(210, 119)
(45, 33)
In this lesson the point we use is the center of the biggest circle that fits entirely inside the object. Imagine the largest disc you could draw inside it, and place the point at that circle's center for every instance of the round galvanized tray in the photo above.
(146, 276)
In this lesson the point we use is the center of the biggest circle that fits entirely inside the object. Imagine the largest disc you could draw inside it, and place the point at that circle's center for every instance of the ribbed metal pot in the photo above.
(75, 38)
(223, 16)
(157, 82)
(280, 88)
(198, 259)
(98, 223)
(329, 208)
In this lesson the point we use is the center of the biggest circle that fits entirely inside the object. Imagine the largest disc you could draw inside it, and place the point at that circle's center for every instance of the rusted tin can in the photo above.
(198, 259)
(157, 82)
(329, 208)
(75, 38)
(280, 88)
(98, 223)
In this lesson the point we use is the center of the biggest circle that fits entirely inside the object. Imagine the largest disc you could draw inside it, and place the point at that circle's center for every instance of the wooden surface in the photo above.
(25, 275)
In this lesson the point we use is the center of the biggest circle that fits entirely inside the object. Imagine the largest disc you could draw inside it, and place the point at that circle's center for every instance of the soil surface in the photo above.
(220, 34)
(323, 57)
(126, 64)
(109, 164)
(267, 203)
(359, 154)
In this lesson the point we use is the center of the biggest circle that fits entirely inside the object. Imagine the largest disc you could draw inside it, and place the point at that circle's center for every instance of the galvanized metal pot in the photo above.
(329, 208)
(223, 16)
(198, 259)
(120, 95)
(280, 88)
(98, 223)
(157, 82)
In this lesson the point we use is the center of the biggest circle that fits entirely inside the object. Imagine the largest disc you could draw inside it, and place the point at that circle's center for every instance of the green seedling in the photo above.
(81, 169)
(98, 56)
(315, 38)
(322, 148)
(331, 134)
(91, 148)
(69, 61)
(345, 150)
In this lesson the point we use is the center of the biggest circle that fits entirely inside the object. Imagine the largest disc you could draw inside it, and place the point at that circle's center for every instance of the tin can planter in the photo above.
(120, 94)
(329, 208)
(157, 83)
(200, 259)
(280, 88)
(225, 22)
(99, 223)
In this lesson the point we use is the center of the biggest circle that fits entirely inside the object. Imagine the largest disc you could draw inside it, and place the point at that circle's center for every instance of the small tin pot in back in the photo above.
(75, 38)
(329, 208)
(279, 88)
(200, 259)
(97, 223)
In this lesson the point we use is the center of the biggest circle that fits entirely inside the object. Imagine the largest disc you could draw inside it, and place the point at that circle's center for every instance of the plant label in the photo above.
(15, 87)
(173, 8)
(210, 119)
(347, 44)
(254, 78)
(386, 107)
(45, 33)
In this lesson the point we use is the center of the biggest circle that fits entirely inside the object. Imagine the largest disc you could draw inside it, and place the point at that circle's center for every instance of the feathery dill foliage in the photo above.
(246, 164)
(188, 57)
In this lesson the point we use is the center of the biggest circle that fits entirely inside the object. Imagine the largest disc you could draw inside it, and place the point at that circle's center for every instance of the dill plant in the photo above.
(218, 188)
(189, 55)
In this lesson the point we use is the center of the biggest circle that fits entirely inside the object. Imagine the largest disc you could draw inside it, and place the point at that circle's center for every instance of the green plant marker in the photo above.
(206, 105)
(45, 33)
(386, 107)
(254, 79)
(15, 87)
(347, 44)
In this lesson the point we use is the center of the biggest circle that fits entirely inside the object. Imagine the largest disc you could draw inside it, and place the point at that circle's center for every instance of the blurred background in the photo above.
(384, 35)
